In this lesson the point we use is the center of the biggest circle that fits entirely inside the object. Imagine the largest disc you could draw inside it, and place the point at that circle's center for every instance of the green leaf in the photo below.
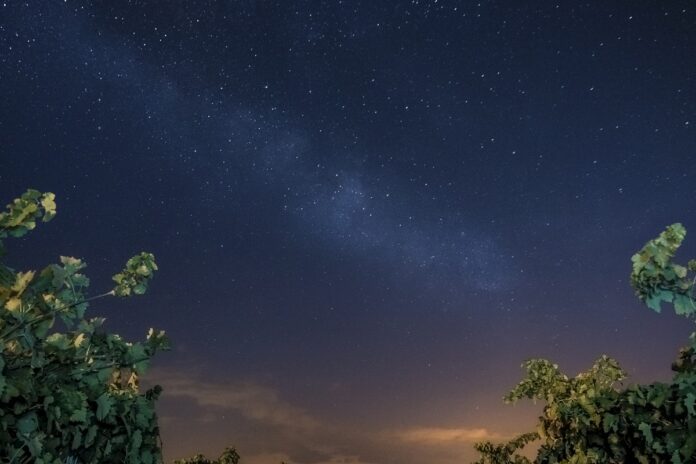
(79, 415)
(676, 457)
(35, 445)
(146, 457)
(136, 440)
(654, 301)
(689, 448)
(28, 423)
(58, 341)
(91, 435)
(104, 404)
(647, 432)
(683, 305)
(104, 374)
(138, 357)
(679, 271)
(608, 422)
(689, 402)
(77, 439)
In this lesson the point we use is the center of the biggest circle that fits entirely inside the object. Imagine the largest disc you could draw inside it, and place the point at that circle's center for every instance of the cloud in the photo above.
(276, 458)
(268, 429)
(252, 401)
(344, 459)
(265, 458)
(446, 436)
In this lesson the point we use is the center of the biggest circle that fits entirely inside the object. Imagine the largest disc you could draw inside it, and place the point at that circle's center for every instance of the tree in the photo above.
(72, 395)
(588, 419)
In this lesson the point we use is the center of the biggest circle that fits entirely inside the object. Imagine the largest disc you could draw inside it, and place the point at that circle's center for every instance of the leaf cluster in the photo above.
(23, 212)
(135, 276)
(657, 279)
(70, 395)
(505, 453)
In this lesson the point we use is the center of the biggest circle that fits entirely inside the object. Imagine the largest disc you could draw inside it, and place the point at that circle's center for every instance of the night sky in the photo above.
(366, 214)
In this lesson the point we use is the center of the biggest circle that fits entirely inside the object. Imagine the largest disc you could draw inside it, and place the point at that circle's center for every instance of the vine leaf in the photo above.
(104, 404)
(28, 423)
(647, 432)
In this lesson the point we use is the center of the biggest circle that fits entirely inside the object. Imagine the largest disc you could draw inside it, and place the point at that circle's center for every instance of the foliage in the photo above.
(504, 453)
(657, 279)
(23, 212)
(70, 396)
(134, 278)
(228, 456)
(588, 419)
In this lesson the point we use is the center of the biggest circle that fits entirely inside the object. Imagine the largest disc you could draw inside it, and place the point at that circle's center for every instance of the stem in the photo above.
(17, 452)
(109, 293)
(44, 317)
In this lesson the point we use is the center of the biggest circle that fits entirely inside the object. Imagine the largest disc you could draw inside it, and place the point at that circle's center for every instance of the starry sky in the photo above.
(366, 214)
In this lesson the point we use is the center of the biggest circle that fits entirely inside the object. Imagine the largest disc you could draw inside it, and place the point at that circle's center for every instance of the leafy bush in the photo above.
(228, 456)
(70, 396)
(588, 419)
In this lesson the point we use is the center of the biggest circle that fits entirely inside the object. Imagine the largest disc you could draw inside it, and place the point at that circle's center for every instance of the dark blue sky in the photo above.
(366, 214)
